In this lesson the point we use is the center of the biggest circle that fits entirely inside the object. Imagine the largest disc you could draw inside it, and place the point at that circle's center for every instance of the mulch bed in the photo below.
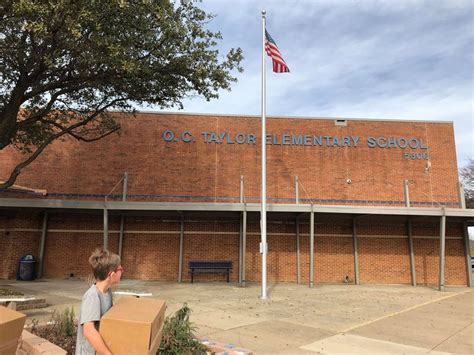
(50, 333)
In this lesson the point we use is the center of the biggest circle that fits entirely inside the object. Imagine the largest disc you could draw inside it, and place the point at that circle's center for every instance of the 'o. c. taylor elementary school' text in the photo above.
(292, 139)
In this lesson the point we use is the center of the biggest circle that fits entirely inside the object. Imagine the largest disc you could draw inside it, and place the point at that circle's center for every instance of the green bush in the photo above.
(61, 329)
(178, 335)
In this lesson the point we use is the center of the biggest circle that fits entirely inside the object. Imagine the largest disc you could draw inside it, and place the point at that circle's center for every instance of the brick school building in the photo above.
(349, 200)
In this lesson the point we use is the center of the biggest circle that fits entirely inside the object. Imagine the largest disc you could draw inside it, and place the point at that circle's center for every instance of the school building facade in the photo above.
(349, 200)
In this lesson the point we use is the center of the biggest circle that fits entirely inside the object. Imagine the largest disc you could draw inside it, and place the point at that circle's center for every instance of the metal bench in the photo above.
(210, 267)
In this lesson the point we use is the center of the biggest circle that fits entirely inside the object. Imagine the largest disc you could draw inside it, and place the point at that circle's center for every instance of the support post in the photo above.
(462, 196)
(412, 253)
(244, 243)
(106, 229)
(121, 231)
(356, 251)
(311, 248)
(468, 255)
(240, 247)
(298, 261)
(122, 217)
(406, 190)
(241, 189)
(442, 246)
(44, 232)
(125, 186)
(181, 248)
(297, 190)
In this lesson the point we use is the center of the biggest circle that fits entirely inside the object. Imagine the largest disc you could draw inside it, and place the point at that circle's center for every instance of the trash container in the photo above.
(27, 268)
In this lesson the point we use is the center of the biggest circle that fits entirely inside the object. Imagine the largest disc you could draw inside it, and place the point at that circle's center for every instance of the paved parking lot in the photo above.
(331, 319)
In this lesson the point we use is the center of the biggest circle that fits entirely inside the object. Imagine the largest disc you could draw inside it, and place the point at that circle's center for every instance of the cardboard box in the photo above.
(134, 326)
(216, 348)
(11, 326)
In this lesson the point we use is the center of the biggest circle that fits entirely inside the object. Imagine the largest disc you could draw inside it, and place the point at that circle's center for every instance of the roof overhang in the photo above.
(231, 207)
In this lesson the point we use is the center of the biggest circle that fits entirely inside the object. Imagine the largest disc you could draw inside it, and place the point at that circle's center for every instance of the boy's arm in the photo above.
(94, 337)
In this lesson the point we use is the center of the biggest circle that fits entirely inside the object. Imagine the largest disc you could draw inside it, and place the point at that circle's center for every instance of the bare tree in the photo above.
(467, 179)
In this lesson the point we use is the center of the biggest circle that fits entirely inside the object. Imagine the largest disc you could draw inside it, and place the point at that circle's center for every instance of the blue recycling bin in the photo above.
(27, 268)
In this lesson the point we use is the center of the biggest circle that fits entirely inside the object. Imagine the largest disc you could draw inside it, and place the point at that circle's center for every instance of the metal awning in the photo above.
(466, 216)
(123, 206)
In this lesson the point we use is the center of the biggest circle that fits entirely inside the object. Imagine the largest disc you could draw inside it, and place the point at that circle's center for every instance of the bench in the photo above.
(210, 267)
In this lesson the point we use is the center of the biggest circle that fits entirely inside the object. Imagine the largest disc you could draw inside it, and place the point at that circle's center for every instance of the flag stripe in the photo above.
(279, 64)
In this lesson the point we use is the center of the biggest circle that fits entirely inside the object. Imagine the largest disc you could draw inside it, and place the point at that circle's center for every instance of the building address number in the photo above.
(415, 156)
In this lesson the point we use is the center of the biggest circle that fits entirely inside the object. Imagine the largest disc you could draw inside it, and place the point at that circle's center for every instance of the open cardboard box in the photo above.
(11, 326)
(133, 326)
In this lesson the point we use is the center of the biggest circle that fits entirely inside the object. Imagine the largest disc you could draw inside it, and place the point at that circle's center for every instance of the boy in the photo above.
(96, 301)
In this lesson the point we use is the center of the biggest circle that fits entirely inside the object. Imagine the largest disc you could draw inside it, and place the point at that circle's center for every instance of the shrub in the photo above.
(60, 330)
(178, 335)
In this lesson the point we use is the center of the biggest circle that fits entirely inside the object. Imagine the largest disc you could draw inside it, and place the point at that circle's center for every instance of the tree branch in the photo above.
(78, 136)
(17, 170)
(88, 140)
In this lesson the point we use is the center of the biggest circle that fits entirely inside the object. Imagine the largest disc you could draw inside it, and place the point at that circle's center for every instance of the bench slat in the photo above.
(211, 267)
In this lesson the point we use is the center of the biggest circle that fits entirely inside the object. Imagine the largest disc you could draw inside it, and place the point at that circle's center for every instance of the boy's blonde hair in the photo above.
(102, 262)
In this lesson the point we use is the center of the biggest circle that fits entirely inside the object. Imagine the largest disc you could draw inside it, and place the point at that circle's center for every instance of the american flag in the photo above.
(279, 65)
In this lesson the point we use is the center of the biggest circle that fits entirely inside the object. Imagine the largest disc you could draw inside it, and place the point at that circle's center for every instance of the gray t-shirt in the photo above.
(94, 305)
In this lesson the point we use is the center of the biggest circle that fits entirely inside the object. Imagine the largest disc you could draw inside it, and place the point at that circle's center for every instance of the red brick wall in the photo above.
(384, 260)
(70, 241)
(150, 256)
(281, 257)
(211, 241)
(151, 248)
(212, 170)
(427, 261)
(19, 235)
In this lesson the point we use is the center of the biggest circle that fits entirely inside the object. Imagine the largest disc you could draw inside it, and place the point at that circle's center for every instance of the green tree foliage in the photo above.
(66, 64)
(467, 180)
(178, 335)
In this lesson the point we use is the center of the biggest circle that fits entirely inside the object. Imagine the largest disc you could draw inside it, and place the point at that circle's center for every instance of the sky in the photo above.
(389, 59)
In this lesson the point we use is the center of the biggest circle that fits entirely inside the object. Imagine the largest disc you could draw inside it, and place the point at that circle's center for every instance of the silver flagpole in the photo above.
(263, 221)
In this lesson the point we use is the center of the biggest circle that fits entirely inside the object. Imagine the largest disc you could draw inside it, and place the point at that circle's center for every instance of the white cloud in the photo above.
(383, 59)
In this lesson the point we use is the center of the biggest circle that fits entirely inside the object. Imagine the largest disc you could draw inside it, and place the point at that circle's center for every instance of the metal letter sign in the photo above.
(410, 145)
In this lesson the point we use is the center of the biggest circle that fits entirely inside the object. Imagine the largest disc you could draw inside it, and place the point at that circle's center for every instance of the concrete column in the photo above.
(122, 217)
(44, 232)
(442, 244)
(412, 253)
(298, 260)
(462, 196)
(181, 248)
(297, 190)
(121, 231)
(244, 243)
(240, 247)
(356, 251)
(106, 229)
(406, 190)
(125, 186)
(468, 255)
(241, 189)
(311, 248)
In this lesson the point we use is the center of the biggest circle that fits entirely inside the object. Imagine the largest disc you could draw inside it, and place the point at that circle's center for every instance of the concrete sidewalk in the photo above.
(331, 319)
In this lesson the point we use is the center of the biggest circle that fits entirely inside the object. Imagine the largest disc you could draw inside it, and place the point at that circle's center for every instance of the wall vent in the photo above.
(340, 122)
